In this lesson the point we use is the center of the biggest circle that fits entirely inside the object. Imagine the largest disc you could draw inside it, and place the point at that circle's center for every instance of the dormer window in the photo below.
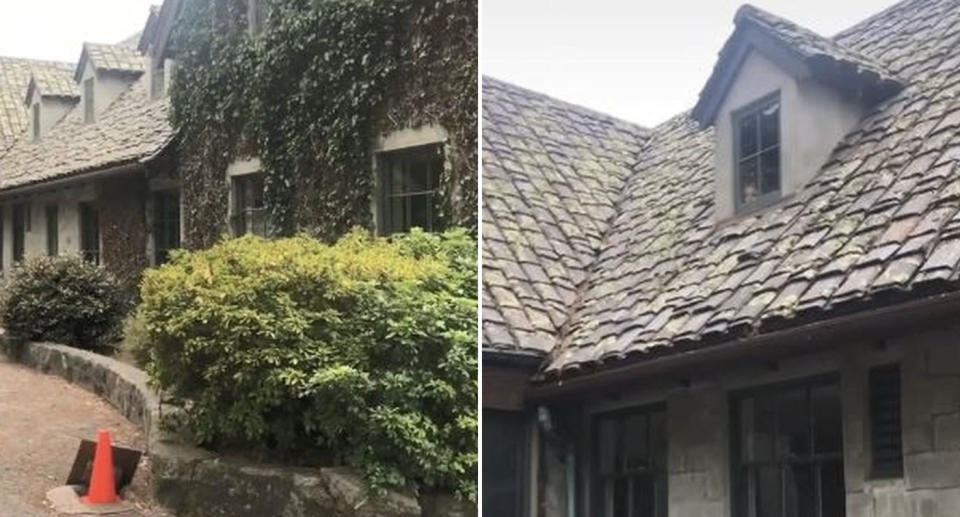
(757, 151)
(88, 100)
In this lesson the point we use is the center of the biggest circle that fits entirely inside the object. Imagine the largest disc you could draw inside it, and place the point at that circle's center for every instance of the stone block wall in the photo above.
(698, 451)
(930, 487)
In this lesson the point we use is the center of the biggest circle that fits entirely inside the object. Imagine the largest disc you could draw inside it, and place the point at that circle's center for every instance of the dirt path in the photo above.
(42, 420)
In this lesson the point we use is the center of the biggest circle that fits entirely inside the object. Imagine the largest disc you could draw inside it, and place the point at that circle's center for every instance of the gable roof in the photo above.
(879, 223)
(15, 74)
(107, 57)
(52, 80)
(552, 172)
(801, 51)
(132, 129)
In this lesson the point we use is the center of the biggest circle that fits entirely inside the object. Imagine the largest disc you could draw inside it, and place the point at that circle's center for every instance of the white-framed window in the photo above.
(408, 180)
(757, 165)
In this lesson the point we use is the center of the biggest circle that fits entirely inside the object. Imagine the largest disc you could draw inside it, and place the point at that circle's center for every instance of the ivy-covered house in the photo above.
(146, 145)
(749, 310)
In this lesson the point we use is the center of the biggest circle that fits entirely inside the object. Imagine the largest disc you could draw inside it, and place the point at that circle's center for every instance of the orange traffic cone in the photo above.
(103, 488)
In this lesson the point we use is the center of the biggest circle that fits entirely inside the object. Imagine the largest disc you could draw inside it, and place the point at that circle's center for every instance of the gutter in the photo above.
(124, 167)
(876, 324)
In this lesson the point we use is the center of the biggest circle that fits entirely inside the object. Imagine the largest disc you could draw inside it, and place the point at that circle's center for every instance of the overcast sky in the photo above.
(56, 29)
(641, 60)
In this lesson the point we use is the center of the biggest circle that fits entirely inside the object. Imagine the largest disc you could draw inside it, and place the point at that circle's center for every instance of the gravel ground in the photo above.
(42, 420)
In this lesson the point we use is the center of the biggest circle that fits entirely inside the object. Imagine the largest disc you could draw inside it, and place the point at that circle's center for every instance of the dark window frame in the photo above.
(655, 475)
(166, 223)
(249, 212)
(90, 232)
(754, 109)
(398, 163)
(19, 227)
(883, 465)
(52, 215)
(499, 419)
(739, 480)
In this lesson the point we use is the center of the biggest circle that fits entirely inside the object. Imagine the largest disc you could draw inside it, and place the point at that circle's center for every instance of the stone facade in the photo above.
(699, 407)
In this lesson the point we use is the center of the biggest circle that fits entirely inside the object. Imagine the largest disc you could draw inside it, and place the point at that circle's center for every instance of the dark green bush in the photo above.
(65, 300)
(362, 352)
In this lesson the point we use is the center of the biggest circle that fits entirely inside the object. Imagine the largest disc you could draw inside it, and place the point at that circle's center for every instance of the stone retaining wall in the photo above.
(193, 482)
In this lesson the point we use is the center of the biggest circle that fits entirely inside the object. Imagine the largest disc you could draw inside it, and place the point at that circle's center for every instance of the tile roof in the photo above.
(132, 128)
(15, 75)
(111, 58)
(54, 80)
(827, 59)
(552, 173)
(879, 223)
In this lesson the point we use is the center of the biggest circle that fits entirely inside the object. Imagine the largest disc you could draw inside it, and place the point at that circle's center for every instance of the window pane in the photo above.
(793, 437)
(770, 125)
(658, 432)
(635, 442)
(770, 170)
(621, 493)
(749, 180)
(607, 444)
(758, 421)
(767, 494)
(748, 135)
(827, 427)
(800, 492)
(644, 495)
(832, 499)
(421, 208)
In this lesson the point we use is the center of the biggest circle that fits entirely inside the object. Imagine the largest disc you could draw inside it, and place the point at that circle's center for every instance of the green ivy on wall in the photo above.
(309, 94)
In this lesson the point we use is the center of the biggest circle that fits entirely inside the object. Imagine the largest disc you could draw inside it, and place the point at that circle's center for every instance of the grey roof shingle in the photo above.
(552, 172)
(132, 128)
(53, 80)
(111, 58)
(15, 76)
(879, 223)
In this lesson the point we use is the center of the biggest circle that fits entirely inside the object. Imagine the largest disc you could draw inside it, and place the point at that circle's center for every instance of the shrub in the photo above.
(365, 349)
(135, 345)
(65, 300)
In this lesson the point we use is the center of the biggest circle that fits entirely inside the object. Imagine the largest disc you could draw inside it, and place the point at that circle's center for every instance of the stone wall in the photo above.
(930, 487)
(697, 471)
(193, 482)
(699, 442)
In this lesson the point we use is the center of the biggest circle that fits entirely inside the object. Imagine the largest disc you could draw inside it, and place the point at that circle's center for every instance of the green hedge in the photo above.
(65, 300)
(361, 352)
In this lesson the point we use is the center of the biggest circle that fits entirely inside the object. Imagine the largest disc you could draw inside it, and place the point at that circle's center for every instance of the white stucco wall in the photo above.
(813, 120)
(106, 88)
(35, 238)
(52, 110)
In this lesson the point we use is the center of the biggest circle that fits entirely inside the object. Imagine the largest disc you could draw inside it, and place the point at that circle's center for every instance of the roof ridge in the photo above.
(571, 105)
